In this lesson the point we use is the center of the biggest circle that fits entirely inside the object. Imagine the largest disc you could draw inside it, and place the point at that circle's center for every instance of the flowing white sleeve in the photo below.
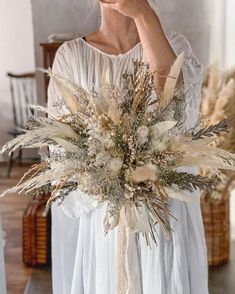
(56, 107)
(76, 203)
(192, 74)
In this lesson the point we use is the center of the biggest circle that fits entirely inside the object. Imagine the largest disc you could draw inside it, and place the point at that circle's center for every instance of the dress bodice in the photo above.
(85, 64)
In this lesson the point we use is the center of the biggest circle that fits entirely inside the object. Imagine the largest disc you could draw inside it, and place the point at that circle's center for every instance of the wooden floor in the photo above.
(222, 278)
(12, 208)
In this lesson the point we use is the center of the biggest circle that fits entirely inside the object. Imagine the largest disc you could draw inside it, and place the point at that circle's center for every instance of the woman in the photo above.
(83, 258)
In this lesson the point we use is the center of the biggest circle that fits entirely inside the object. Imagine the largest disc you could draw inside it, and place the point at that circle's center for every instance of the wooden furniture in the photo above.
(37, 233)
(37, 218)
(217, 229)
(49, 52)
(23, 94)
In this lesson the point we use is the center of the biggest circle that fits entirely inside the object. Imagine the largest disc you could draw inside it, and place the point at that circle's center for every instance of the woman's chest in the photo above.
(90, 68)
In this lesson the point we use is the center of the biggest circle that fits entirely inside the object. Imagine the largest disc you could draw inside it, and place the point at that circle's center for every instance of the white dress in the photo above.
(83, 258)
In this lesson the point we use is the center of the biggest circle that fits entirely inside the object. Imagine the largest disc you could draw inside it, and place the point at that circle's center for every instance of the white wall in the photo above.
(191, 18)
(229, 59)
(217, 31)
(222, 41)
(16, 53)
(58, 16)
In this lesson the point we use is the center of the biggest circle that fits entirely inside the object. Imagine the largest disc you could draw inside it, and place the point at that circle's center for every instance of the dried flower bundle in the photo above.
(123, 147)
(218, 100)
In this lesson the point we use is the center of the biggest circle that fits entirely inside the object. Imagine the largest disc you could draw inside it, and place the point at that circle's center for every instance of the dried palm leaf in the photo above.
(75, 97)
(201, 155)
(171, 81)
(47, 130)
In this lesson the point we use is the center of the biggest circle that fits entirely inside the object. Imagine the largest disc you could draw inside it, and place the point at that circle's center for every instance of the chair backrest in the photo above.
(23, 94)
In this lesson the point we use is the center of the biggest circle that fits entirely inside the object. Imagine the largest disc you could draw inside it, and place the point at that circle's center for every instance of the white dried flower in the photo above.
(129, 195)
(142, 135)
(102, 158)
(162, 127)
(114, 113)
(159, 146)
(94, 147)
(115, 165)
(143, 173)
(151, 166)
(128, 173)
(108, 142)
(129, 188)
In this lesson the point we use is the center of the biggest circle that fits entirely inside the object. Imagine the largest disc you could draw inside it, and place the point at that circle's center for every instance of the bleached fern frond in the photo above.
(171, 82)
(202, 155)
(61, 172)
(34, 170)
(46, 132)
(34, 183)
(66, 145)
(75, 97)
(38, 108)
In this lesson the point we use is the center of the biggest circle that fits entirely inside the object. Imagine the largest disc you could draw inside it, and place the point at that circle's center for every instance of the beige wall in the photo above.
(16, 53)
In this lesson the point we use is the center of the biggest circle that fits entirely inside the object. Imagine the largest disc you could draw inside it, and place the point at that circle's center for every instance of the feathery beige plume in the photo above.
(142, 174)
(75, 97)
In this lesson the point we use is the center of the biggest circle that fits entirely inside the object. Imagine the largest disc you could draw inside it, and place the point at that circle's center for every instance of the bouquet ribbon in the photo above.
(127, 259)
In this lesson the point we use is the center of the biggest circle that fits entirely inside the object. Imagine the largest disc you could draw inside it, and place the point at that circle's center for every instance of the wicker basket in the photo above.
(217, 229)
(37, 234)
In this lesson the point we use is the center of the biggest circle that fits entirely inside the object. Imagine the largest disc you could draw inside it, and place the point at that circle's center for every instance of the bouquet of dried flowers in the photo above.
(218, 100)
(123, 147)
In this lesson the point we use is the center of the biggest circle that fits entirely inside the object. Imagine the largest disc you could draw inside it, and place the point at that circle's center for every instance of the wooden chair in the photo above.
(23, 94)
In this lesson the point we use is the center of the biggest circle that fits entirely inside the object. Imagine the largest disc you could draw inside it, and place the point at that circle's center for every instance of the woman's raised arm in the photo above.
(157, 49)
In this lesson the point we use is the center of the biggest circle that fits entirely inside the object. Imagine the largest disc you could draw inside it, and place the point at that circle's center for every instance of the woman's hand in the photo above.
(156, 47)
(130, 8)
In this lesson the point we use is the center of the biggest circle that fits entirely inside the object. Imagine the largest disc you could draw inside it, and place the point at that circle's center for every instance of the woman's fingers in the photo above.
(130, 8)
(108, 1)
(112, 5)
